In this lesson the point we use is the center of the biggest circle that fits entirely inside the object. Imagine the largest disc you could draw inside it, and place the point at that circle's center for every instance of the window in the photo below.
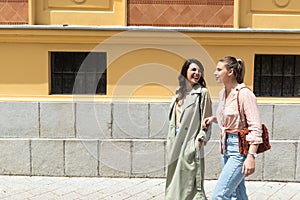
(277, 75)
(78, 73)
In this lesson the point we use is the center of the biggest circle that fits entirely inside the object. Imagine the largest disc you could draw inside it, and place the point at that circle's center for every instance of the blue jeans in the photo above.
(231, 182)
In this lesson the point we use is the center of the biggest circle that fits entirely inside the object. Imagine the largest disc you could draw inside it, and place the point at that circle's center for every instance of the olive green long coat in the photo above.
(185, 172)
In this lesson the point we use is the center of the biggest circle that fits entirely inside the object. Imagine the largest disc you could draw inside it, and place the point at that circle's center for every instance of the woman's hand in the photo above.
(200, 143)
(207, 121)
(249, 165)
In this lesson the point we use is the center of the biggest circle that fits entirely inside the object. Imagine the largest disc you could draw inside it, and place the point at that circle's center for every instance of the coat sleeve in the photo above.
(206, 111)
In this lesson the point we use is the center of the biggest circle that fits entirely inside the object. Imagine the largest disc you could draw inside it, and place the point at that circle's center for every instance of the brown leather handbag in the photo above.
(243, 143)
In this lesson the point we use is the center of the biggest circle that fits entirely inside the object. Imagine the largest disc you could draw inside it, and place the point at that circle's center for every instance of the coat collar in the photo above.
(196, 89)
(189, 100)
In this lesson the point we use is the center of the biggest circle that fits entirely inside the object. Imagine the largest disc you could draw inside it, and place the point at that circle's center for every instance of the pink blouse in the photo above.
(228, 115)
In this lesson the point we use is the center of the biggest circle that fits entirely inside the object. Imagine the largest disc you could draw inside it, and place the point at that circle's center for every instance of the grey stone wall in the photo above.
(124, 140)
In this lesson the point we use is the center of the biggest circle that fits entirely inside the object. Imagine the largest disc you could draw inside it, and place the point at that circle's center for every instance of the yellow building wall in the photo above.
(78, 12)
(267, 14)
(257, 14)
(142, 65)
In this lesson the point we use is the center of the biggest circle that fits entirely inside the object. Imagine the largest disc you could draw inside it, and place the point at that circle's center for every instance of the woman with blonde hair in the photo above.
(231, 182)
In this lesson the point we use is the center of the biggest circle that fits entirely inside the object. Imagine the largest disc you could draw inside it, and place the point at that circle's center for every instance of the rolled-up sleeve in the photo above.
(249, 109)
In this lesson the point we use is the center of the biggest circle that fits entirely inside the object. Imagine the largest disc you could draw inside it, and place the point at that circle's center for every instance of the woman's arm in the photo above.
(249, 164)
(208, 121)
(206, 110)
(250, 111)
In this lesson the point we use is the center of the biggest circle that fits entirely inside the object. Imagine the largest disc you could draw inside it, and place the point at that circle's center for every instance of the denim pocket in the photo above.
(232, 144)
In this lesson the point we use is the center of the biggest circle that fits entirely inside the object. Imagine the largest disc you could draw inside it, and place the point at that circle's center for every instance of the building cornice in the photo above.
(148, 35)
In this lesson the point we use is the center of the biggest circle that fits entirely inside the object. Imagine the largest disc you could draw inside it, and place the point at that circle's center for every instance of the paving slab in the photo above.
(104, 188)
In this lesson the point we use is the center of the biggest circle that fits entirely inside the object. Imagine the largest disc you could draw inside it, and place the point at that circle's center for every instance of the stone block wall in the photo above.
(124, 140)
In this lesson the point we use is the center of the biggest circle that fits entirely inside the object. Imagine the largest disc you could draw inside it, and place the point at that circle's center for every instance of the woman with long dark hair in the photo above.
(186, 137)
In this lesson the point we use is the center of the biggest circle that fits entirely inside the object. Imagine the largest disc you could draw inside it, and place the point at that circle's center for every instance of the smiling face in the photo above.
(222, 74)
(193, 74)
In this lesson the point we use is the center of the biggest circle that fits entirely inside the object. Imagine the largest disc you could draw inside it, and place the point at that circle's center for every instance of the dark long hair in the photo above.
(237, 65)
(181, 92)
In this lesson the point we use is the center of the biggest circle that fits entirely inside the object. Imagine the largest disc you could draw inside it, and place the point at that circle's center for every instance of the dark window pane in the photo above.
(297, 86)
(91, 83)
(56, 84)
(287, 88)
(266, 64)
(57, 63)
(297, 66)
(276, 86)
(289, 65)
(257, 85)
(257, 75)
(101, 88)
(277, 65)
(257, 63)
(266, 86)
(92, 62)
(78, 60)
(79, 84)
(68, 62)
(68, 82)
(102, 63)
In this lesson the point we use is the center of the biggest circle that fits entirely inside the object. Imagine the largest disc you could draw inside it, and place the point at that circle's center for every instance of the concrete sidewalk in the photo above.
(43, 188)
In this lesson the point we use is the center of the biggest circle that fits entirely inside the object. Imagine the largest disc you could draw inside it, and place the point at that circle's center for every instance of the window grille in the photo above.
(277, 75)
(78, 72)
